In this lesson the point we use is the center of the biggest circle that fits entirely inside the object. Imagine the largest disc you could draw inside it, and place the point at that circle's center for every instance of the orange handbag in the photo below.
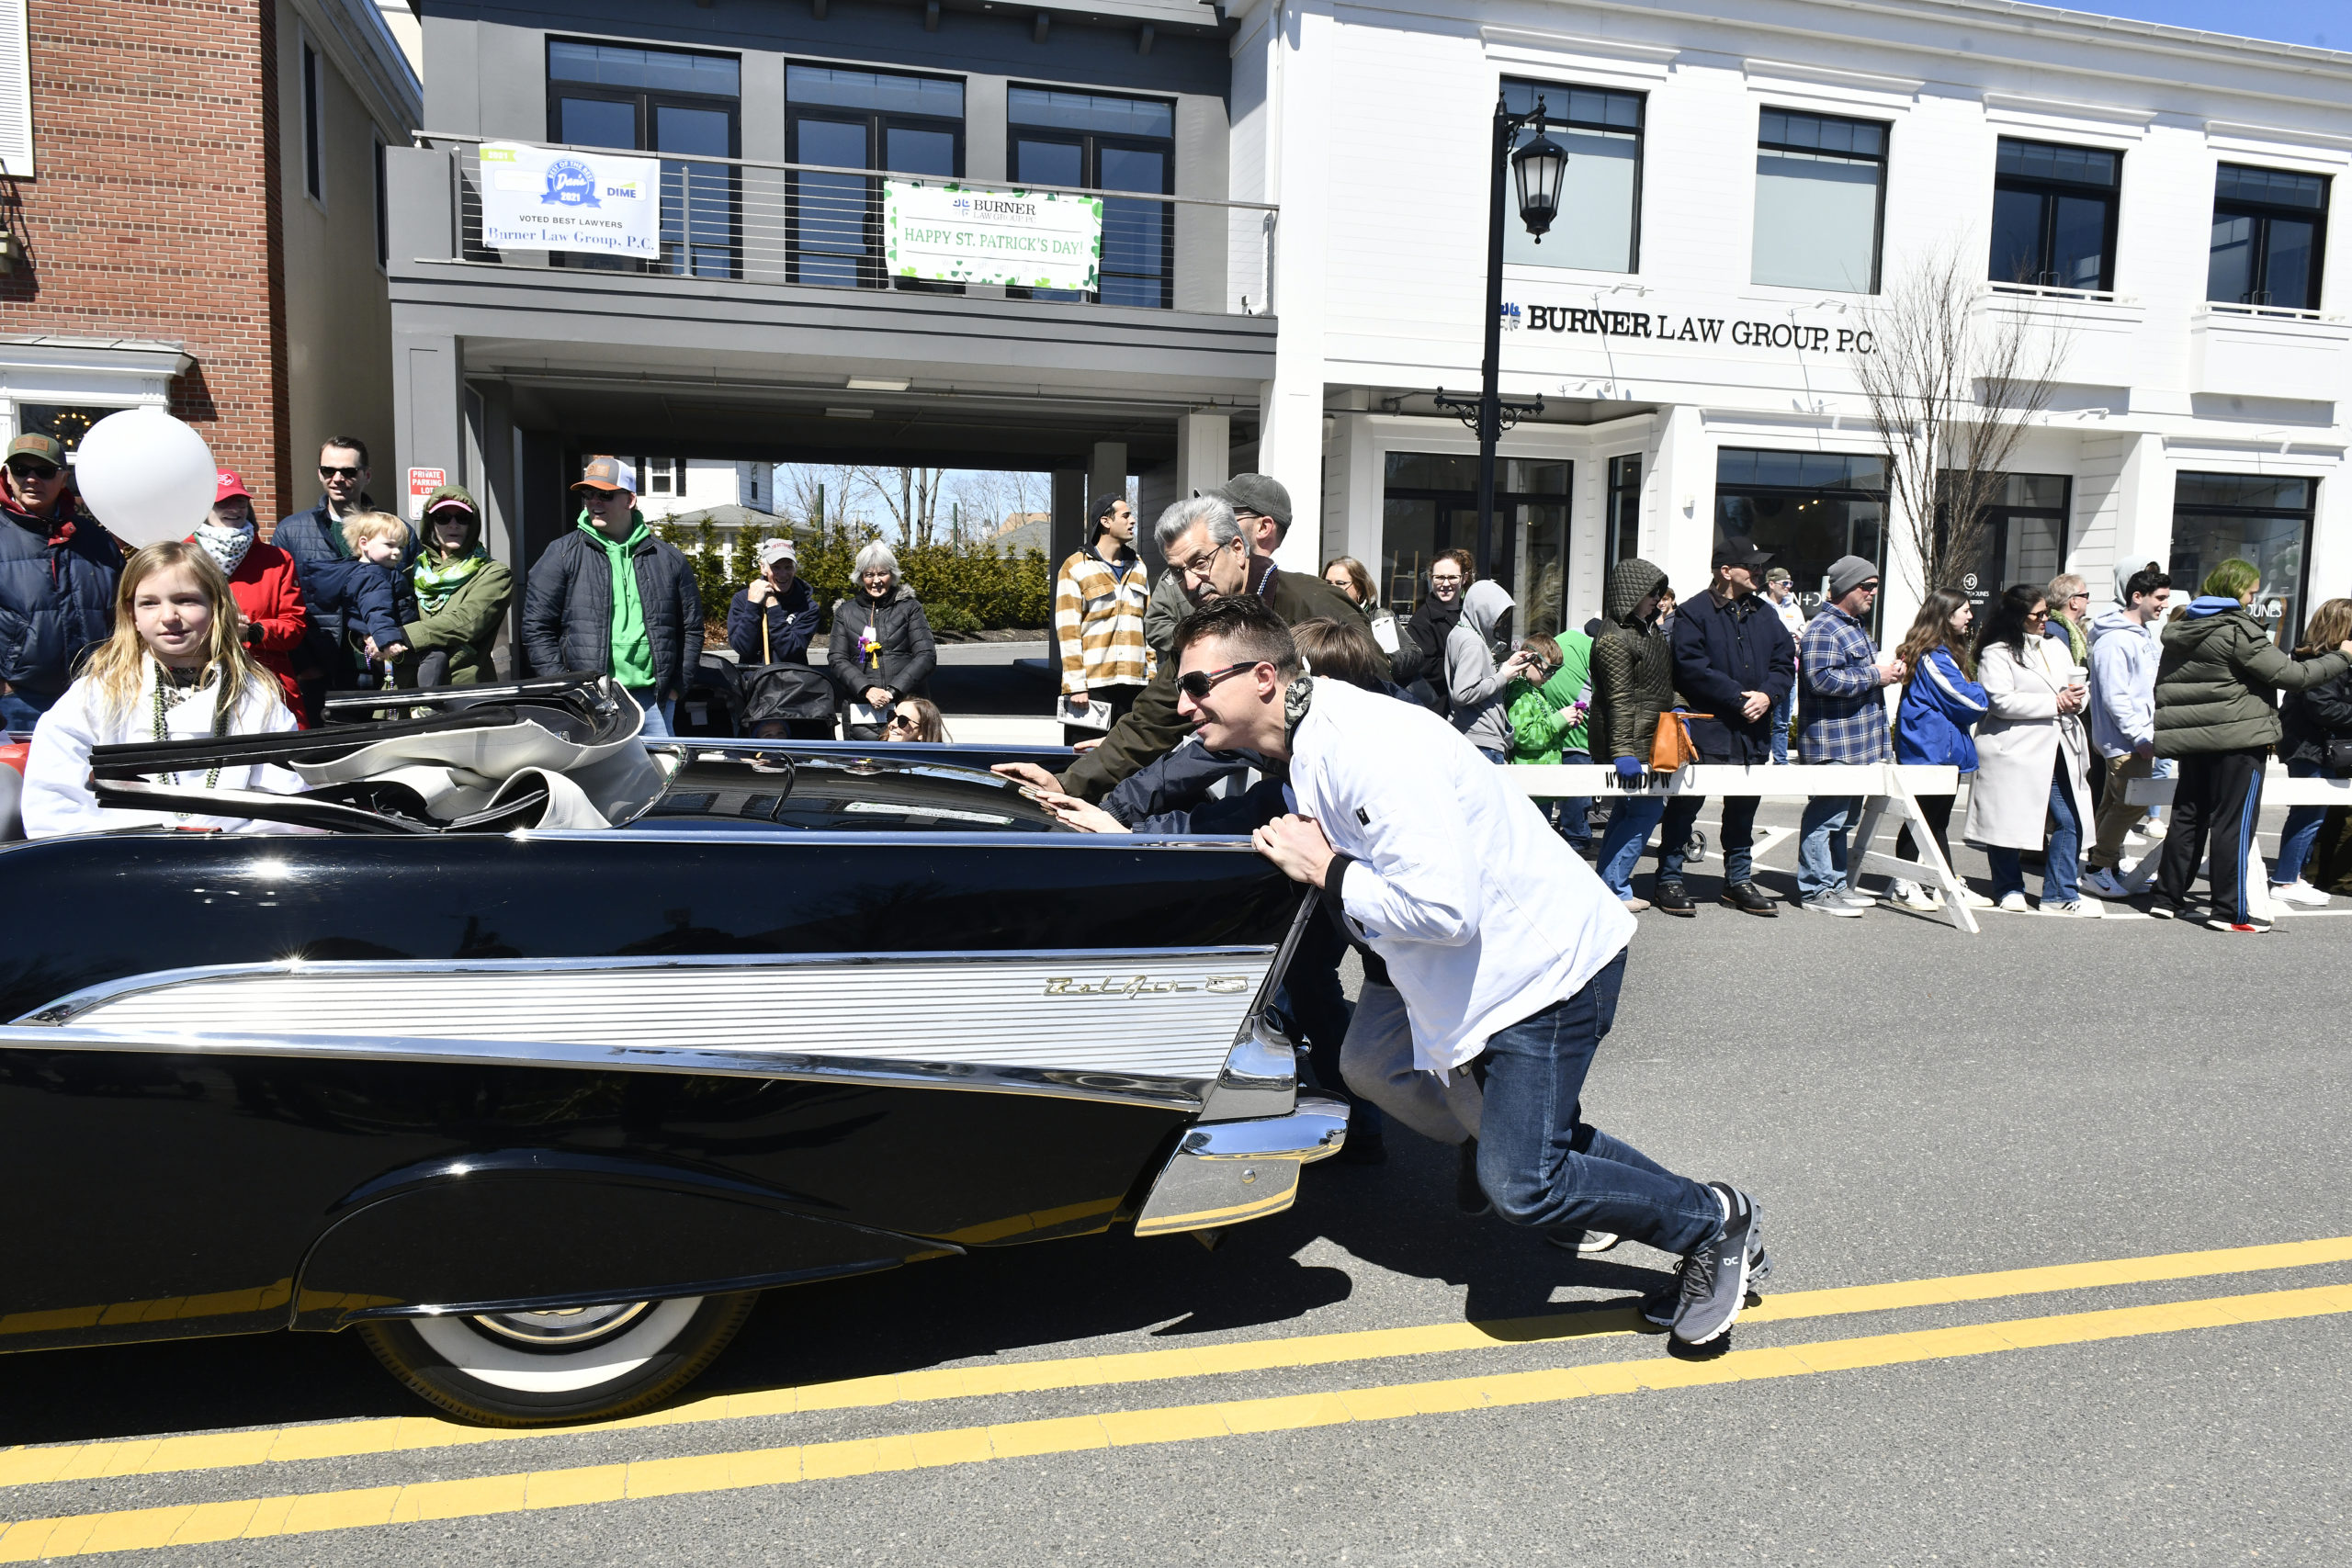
(1671, 748)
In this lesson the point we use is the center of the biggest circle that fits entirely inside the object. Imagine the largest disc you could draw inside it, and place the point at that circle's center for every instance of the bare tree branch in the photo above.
(1958, 374)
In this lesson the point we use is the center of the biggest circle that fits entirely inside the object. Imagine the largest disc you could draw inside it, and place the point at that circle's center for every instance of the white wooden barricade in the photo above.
(2275, 792)
(1887, 790)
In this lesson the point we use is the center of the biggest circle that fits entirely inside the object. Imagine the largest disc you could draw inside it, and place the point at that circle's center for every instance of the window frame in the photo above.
(1622, 507)
(645, 104)
(1563, 91)
(879, 125)
(2048, 191)
(1883, 158)
(1091, 144)
(314, 136)
(2262, 213)
(383, 207)
(2290, 628)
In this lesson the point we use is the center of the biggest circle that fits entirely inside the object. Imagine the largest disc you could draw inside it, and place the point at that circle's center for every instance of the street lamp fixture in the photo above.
(1538, 169)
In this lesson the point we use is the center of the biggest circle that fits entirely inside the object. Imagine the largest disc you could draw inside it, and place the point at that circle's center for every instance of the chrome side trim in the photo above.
(1232, 1171)
(1027, 843)
(1156, 1015)
(1115, 1089)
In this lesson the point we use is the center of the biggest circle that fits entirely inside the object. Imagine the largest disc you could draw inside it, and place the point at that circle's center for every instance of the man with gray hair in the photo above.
(1212, 555)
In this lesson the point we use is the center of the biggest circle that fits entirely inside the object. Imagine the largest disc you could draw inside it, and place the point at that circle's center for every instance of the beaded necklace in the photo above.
(170, 691)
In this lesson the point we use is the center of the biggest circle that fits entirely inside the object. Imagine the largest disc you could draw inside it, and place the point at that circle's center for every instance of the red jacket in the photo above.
(268, 596)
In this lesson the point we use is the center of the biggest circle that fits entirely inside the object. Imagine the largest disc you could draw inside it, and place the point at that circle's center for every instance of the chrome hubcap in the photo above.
(560, 1328)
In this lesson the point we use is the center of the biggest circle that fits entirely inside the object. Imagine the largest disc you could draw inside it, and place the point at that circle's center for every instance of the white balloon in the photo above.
(146, 475)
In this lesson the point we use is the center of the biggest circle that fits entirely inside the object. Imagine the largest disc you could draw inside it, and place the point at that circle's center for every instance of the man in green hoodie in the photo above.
(609, 598)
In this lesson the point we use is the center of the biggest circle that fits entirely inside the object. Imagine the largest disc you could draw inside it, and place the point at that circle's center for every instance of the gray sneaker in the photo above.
(1660, 1306)
(1714, 1278)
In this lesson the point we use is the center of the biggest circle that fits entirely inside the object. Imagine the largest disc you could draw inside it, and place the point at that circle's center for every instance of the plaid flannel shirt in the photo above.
(1841, 716)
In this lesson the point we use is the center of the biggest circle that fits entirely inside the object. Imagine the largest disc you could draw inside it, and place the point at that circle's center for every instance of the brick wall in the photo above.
(153, 210)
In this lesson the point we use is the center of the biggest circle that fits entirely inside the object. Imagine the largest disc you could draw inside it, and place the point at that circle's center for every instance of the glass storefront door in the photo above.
(2024, 538)
(2253, 517)
(1807, 508)
(1430, 505)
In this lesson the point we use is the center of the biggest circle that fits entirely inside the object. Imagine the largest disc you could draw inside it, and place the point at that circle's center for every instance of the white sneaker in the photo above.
(2013, 902)
(2077, 909)
(1974, 900)
(2298, 892)
(2154, 828)
(1911, 896)
(2104, 884)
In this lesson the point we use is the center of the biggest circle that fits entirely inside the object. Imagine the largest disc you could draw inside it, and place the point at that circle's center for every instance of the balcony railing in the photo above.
(749, 221)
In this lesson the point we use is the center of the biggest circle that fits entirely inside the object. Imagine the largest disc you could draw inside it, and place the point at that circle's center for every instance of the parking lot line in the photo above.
(344, 1439)
(487, 1496)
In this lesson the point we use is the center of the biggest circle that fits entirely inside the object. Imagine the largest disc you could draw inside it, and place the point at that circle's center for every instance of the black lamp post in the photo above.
(1537, 170)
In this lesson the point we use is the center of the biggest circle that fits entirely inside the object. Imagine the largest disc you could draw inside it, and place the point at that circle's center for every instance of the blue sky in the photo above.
(2327, 23)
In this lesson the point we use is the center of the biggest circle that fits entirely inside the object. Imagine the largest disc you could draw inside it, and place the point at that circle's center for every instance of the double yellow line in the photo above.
(251, 1519)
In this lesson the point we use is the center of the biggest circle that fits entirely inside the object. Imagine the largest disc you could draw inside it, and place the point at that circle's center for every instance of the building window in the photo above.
(1430, 505)
(2053, 216)
(2270, 228)
(659, 100)
(2252, 517)
(1600, 194)
(1105, 143)
(313, 141)
(861, 119)
(1807, 508)
(1625, 541)
(67, 421)
(661, 476)
(2024, 535)
(1820, 190)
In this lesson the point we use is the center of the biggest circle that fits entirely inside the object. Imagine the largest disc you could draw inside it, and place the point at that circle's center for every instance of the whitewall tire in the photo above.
(525, 1369)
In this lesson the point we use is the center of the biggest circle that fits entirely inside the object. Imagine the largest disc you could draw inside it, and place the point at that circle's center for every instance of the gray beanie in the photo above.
(1848, 573)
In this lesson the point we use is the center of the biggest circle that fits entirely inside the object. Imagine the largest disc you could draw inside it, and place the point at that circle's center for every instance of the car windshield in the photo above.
(722, 789)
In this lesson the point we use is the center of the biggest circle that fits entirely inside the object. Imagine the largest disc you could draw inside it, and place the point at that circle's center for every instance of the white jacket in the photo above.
(57, 769)
(1484, 914)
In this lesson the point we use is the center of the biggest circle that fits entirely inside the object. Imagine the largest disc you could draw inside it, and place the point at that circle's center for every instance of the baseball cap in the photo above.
(228, 484)
(32, 443)
(606, 473)
(1739, 551)
(1260, 493)
(774, 550)
(452, 498)
(1848, 573)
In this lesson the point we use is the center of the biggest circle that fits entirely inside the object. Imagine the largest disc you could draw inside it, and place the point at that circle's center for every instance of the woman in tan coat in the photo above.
(2032, 754)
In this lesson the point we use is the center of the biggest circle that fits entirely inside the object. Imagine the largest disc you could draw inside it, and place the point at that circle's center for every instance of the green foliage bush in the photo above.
(965, 590)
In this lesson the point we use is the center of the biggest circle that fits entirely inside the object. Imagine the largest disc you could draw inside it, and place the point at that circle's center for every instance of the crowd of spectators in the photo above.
(2049, 714)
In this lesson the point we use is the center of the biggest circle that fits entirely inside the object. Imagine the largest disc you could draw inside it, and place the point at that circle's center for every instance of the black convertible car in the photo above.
(532, 1050)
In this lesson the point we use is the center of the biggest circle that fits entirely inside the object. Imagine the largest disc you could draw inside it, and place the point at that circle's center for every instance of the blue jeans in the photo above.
(1738, 836)
(1498, 758)
(2302, 831)
(1783, 711)
(1544, 1164)
(1630, 822)
(20, 711)
(1821, 844)
(1576, 811)
(2062, 862)
(658, 716)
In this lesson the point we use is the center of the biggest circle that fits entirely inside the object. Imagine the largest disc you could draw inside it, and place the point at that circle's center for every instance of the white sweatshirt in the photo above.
(57, 796)
(1483, 913)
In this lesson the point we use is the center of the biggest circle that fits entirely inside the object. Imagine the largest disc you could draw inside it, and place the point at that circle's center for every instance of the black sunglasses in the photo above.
(327, 473)
(33, 470)
(902, 721)
(1198, 683)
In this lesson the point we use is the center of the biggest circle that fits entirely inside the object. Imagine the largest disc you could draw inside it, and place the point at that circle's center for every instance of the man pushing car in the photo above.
(1506, 949)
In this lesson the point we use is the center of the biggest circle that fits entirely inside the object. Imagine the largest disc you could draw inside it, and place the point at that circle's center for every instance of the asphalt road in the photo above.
(1910, 1104)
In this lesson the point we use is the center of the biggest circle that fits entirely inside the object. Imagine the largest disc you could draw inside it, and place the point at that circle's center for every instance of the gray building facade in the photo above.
(767, 329)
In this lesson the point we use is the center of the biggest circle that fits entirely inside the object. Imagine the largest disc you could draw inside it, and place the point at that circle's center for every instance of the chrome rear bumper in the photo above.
(1225, 1172)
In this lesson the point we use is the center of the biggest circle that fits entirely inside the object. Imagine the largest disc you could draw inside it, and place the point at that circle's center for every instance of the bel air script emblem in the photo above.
(1143, 985)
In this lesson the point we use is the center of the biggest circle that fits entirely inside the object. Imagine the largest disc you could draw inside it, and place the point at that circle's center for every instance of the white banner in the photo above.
(536, 198)
(950, 233)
